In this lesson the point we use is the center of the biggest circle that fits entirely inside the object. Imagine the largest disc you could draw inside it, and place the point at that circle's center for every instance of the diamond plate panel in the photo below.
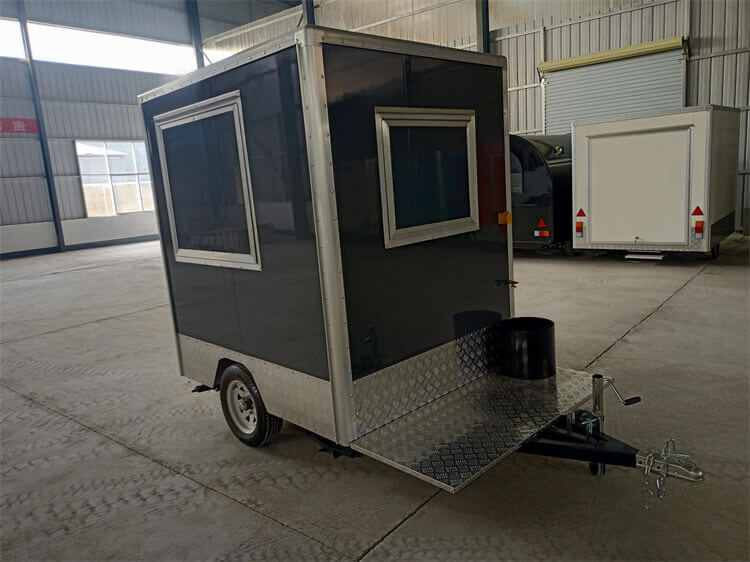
(297, 397)
(401, 388)
(454, 439)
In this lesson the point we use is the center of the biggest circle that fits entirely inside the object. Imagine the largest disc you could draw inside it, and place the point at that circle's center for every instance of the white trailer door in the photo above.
(635, 197)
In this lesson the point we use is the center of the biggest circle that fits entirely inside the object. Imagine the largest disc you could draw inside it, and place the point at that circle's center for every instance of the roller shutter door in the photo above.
(631, 85)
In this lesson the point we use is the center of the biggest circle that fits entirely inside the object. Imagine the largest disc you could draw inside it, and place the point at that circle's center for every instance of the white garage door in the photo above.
(631, 85)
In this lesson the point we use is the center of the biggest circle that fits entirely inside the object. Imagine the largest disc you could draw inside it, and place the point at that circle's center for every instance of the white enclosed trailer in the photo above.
(657, 182)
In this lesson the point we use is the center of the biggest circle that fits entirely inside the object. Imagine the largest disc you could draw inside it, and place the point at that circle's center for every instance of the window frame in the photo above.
(225, 103)
(387, 117)
(110, 175)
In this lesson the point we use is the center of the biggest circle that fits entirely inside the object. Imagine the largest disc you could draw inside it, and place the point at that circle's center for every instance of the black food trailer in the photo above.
(541, 192)
(333, 210)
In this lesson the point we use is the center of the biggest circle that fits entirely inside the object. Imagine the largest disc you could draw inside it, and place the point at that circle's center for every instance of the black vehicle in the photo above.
(540, 172)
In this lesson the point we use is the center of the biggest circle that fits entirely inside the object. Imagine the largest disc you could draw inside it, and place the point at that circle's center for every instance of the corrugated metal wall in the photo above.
(441, 22)
(96, 103)
(23, 188)
(526, 45)
(162, 21)
(717, 72)
(87, 103)
(77, 103)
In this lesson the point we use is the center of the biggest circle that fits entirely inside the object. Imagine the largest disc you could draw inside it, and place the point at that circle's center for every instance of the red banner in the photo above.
(20, 125)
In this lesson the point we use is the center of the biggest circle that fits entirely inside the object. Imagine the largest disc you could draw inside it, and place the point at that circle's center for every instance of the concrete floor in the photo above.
(106, 454)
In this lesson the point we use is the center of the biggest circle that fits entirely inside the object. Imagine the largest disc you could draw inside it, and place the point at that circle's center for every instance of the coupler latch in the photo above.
(660, 464)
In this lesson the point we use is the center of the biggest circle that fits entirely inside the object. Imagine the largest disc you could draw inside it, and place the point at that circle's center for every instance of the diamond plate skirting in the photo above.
(294, 396)
(401, 388)
(454, 439)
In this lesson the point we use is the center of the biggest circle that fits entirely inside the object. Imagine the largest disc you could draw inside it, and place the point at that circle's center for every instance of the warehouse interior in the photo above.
(106, 452)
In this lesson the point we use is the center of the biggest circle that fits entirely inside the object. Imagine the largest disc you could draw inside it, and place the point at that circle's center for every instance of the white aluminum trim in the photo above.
(508, 194)
(258, 52)
(644, 114)
(390, 45)
(226, 103)
(324, 35)
(386, 117)
(320, 161)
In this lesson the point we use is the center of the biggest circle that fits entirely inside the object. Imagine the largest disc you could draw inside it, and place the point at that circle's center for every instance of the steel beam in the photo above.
(308, 12)
(194, 24)
(483, 26)
(53, 199)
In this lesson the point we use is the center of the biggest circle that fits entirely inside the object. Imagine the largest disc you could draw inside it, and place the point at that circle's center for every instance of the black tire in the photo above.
(715, 252)
(243, 408)
(597, 469)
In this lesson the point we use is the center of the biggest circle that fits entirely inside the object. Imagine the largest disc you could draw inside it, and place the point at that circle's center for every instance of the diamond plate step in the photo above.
(457, 437)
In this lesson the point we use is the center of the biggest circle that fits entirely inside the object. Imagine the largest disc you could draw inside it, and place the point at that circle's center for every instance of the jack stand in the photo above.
(328, 446)
(579, 436)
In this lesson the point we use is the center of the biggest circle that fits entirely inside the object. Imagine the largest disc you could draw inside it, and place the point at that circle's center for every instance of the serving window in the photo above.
(207, 183)
(428, 173)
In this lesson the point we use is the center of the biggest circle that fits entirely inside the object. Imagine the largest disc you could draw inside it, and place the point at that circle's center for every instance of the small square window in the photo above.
(428, 173)
(207, 183)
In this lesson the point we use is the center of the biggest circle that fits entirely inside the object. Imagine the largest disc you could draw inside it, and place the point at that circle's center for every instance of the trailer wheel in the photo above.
(244, 410)
(597, 469)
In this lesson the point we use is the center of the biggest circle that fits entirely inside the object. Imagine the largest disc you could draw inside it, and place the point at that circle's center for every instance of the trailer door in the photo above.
(639, 187)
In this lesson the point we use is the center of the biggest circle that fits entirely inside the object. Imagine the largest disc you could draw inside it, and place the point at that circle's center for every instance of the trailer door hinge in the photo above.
(504, 217)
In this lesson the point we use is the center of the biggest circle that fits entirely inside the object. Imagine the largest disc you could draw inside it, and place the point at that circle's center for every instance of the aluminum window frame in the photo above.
(111, 174)
(230, 102)
(387, 117)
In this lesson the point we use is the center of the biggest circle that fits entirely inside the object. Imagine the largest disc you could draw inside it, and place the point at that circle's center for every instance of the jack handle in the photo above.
(623, 401)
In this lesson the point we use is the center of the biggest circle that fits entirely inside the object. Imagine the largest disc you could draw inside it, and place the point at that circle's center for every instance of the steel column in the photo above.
(53, 200)
(308, 12)
(483, 26)
(194, 24)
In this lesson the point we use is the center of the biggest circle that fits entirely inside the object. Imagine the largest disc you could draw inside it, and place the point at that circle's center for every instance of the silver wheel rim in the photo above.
(242, 407)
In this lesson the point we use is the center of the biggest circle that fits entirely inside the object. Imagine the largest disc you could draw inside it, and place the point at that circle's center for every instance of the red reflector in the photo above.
(699, 227)
(697, 212)
(542, 223)
(580, 213)
(579, 226)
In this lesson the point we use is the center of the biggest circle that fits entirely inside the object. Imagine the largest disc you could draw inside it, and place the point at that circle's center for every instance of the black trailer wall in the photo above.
(274, 314)
(402, 301)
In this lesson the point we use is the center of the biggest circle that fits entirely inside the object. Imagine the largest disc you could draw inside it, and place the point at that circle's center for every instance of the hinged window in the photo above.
(428, 173)
(207, 183)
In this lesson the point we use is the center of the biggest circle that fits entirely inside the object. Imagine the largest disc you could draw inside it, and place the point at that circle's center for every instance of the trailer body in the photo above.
(330, 212)
(658, 182)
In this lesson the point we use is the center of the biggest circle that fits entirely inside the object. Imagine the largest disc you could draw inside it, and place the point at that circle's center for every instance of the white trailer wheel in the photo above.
(244, 409)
